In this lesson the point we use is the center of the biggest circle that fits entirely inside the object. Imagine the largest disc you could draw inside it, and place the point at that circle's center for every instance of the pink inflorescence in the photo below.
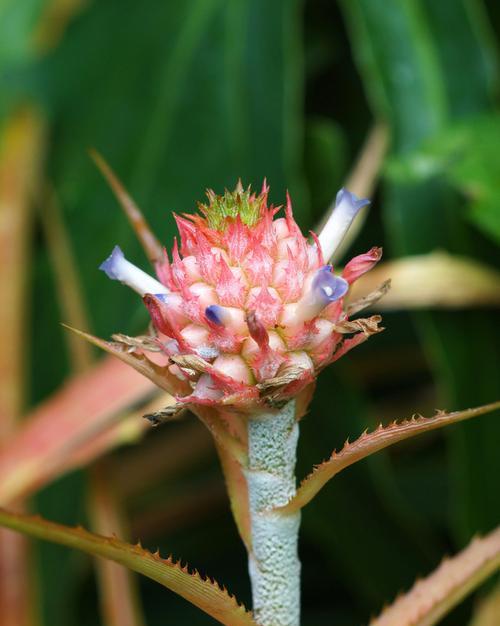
(247, 310)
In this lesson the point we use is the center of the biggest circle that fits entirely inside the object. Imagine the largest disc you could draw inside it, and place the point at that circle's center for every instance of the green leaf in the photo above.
(372, 442)
(466, 155)
(420, 217)
(433, 597)
(204, 593)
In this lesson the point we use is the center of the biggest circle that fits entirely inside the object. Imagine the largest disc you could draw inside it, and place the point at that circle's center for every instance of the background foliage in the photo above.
(181, 96)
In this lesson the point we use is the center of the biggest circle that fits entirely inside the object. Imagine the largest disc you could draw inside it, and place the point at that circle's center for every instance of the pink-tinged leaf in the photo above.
(169, 453)
(15, 589)
(185, 511)
(150, 244)
(119, 595)
(433, 597)
(369, 443)
(237, 490)
(21, 158)
(158, 374)
(69, 293)
(126, 428)
(488, 609)
(204, 593)
(65, 424)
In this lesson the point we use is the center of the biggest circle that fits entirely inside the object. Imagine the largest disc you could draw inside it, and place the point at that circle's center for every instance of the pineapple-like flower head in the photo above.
(248, 310)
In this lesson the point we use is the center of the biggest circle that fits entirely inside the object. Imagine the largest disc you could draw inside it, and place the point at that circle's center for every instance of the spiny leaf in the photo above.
(431, 598)
(204, 593)
(161, 376)
(150, 244)
(72, 425)
(369, 443)
(158, 374)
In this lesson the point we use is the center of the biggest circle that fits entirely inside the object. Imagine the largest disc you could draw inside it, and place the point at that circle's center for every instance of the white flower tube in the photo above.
(117, 267)
(347, 206)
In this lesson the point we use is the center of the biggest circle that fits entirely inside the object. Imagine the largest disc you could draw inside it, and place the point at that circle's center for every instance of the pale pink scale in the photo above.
(206, 294)
(234, 366)
(288, 246)
(322, 329)
(266, 302)
(195, 335)
(300, 360)
(258, 266)
(231, 286)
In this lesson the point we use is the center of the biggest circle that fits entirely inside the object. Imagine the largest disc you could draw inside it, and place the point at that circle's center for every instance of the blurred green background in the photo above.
(183, 95)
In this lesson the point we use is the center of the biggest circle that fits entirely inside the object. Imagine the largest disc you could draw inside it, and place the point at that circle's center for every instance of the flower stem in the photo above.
(273, 562)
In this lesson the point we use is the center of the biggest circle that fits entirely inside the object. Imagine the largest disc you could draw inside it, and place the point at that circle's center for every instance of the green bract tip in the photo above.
(240, 202)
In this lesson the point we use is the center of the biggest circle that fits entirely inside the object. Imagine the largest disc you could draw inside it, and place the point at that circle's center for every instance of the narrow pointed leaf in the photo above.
(161, 376)
(66, 424)
(150, 244)
(203, 593)
(67, 280)
(21, 156)
(158, 374)
(433, 597)
(369, 443)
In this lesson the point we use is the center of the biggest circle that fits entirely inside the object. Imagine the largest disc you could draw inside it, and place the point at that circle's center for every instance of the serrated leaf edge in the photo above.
(432, 597)
(370, 442)
(140, 560)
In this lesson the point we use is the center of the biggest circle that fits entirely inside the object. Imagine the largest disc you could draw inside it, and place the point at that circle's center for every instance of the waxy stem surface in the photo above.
(273, 563)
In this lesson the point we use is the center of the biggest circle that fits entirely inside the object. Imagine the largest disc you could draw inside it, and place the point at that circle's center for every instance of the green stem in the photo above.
(273, 564)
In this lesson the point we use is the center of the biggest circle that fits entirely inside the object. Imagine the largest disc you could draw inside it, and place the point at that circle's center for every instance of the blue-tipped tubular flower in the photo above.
(324, 289)
(347, 206)
(244, 286)
(118, 268)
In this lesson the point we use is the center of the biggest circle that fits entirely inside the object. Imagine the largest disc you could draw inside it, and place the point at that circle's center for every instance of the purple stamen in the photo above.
(215, 313)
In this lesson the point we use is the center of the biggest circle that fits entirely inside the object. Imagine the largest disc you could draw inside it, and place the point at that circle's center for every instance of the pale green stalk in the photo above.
(273, 563)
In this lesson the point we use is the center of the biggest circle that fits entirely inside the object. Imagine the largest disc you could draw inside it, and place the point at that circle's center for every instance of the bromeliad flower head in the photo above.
(248, 310)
